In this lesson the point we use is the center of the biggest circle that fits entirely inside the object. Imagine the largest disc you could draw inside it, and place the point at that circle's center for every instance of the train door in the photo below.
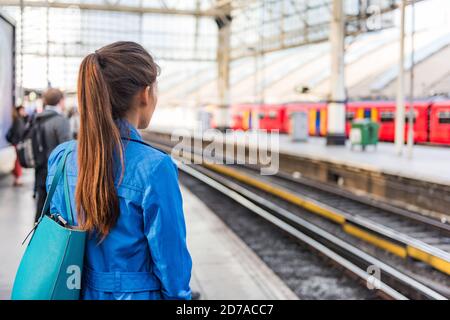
(440, 123)
(420, 121)
(387, 122)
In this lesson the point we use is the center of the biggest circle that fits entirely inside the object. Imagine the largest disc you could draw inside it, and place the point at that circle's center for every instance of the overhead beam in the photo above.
(160, 57)
(117, 8)
(244, 52)
(304, 36)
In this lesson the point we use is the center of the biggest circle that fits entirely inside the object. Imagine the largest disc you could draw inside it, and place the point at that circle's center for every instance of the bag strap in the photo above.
(60, 170)
(69, 211)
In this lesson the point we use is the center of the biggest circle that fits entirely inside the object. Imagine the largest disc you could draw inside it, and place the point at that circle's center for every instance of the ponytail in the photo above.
(108, 81)
(98, 142)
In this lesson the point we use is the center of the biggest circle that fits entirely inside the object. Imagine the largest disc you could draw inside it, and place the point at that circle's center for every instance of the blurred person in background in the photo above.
(74, 119)
(14, 135)
(125, 192)
(55, 130)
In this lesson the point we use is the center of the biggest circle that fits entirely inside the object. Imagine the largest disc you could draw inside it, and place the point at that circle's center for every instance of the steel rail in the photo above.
(292, 225)
(364, 228)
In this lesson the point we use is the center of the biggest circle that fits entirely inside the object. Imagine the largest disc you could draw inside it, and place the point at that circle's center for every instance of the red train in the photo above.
(431, 119)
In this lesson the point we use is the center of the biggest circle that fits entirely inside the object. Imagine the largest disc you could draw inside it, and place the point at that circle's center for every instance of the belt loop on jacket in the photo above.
(117, 283)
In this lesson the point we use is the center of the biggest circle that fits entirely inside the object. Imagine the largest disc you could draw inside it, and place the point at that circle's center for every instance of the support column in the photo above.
(410, 140)
(22, 32)
(336, 106)
(400, 106)
(47, 44)
(223, 64)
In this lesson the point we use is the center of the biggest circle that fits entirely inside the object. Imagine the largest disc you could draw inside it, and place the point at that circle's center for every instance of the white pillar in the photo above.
(411, 86)
(22, 32)
(336, 106)
(223, 65)
(47, 43)
(400, 106)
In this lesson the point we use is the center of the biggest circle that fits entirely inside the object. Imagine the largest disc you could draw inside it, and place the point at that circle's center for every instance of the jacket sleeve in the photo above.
(165, 229)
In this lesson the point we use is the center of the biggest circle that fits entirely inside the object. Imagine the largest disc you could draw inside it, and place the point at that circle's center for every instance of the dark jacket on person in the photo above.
(17, 130)
(56, 130)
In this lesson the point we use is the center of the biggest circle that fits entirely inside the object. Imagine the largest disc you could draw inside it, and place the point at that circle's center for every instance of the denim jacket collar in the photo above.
(127, 130)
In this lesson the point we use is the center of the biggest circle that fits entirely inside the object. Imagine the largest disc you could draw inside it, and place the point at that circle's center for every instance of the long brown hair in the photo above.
(108, 80)
(16, 112)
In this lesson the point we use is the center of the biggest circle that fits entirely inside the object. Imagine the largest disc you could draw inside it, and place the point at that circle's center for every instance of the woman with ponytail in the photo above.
(125, 193)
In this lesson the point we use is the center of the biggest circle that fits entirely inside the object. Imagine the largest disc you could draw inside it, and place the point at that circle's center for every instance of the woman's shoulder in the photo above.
(145, 166)
(150, 158)
(57, 153)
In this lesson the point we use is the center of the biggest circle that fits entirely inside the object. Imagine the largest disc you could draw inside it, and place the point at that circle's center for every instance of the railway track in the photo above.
(400, 232)
(240, 185)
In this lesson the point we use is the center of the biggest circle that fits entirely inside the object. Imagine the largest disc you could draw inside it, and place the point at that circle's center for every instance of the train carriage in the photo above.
(317, 119)
(272, 117)
(421, 118)
(243, 116)
(386, 112)
(360, 110)
(387, 121)
(431, 120)
(440, 122)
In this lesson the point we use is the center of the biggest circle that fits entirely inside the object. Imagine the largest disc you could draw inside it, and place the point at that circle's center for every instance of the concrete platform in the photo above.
(428, 163)
(17, 209)
(223, 266)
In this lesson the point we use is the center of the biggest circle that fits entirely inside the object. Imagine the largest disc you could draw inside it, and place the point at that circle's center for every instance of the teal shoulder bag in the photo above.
(52, 264)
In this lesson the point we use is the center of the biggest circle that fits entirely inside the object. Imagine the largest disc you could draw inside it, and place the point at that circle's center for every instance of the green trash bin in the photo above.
(364, 132)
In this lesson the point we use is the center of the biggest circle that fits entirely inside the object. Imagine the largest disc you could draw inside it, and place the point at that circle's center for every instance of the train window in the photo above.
(261, 115)
(390, 116)
(387, 116)
(407, 117)
(444, 117)
(272, 114)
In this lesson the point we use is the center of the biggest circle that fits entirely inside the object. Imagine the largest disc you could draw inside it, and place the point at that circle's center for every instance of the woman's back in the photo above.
(144, 256)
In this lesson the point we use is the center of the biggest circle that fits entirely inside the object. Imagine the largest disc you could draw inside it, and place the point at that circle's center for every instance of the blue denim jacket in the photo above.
(145, 255)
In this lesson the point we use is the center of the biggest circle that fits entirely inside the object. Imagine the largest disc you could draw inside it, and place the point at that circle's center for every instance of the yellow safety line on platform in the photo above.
(377, 241)
(286, 195)
(434, 261)
(314, 208)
